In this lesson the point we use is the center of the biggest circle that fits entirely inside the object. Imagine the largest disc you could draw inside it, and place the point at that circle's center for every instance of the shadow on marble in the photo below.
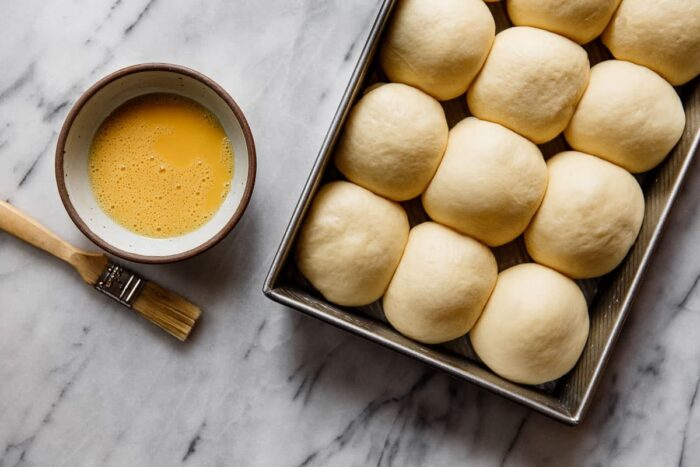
(411, 409)
(225, 262)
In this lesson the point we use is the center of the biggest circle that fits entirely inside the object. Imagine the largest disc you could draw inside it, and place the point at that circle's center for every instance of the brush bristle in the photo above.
(167, 310)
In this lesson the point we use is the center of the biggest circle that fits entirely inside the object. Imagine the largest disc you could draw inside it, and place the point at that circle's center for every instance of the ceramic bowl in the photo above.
(73, 149)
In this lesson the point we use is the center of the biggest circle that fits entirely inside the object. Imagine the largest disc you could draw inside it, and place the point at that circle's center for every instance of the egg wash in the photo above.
(161, 165)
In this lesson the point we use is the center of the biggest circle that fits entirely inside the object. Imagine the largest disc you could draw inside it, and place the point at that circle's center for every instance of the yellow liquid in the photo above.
(161, 165)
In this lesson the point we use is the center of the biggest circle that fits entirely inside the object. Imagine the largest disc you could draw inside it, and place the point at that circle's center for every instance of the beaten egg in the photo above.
(161, 165)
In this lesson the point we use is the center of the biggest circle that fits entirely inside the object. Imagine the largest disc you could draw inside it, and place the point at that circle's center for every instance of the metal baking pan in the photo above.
(610, 297)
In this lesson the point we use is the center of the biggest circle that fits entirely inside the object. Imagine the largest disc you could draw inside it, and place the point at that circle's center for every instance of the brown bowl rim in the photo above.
(68, 123)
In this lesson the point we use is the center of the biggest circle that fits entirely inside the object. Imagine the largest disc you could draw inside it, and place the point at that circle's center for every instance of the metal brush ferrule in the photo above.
(121, 284)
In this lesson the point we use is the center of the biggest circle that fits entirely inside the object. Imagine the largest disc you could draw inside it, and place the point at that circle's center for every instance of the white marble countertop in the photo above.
(84, 383)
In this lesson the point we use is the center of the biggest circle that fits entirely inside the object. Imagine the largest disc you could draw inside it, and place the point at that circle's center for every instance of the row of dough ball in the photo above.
(395, 136)
(583, 225)
(439, 46)
(529, 323)
(436, 284)
(535, 83)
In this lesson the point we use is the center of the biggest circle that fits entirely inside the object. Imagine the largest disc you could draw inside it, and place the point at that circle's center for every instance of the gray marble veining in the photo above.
(83, 383)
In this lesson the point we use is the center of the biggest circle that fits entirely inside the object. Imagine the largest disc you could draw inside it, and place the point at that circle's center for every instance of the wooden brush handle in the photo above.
(17, 223)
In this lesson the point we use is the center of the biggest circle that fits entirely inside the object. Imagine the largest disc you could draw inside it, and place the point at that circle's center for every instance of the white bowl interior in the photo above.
(77, 150)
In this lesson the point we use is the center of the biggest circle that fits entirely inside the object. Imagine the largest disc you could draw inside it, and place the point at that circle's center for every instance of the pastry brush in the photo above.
(164, 308)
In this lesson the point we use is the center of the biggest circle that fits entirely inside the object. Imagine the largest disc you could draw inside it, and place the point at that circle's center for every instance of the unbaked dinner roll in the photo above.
(440, 286)
(628, 115)
(392, 141)
(350, 243)
(489, 183)
(437, 45)
(530, 83)
(579, 20)
(663, 35)
(589, 217)
(534, 326)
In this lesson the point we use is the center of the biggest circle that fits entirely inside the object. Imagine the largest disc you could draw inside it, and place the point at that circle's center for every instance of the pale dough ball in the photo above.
(579, 20)
(534, 326)
(393, 141)
(663, 35)
(489, 183)
(437, 45)
(441, 285)
(589, 218)
(530, 83)
(350, 243)
(628, 115)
